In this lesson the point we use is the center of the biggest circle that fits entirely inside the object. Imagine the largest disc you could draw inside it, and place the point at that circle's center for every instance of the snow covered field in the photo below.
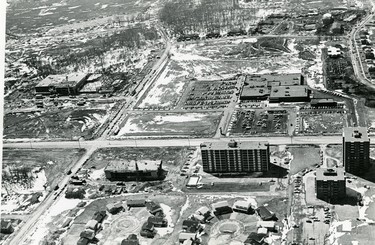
(166, 90)
(172, 123)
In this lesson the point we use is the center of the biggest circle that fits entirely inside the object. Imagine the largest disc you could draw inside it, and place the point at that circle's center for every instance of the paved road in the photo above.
(159, 142)
(28, 226)
(355, 55)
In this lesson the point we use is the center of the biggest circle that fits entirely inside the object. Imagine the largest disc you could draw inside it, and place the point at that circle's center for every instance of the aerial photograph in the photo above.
(198, 122)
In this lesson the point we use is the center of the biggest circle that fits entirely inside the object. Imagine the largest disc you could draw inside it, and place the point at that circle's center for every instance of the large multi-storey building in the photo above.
(235, 157)
(330, 184)
(356, 150)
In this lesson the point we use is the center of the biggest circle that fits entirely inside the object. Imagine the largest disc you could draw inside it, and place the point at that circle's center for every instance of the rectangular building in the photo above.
(235, 157)
(62, 84)
(330, 184)
(356, 150)
(298, 93)
(260, 86)
(132, 170)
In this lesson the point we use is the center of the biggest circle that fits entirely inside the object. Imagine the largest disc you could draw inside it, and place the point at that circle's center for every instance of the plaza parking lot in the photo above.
(211, 94)
(258, 121)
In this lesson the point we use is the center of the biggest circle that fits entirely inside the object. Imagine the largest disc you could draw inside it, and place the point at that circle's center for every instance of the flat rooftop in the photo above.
(234, 145)
(289, 91)
(130, 165)
(55, 80)
(355, 134)
(255, 92)
(333, 174)
(274, 79)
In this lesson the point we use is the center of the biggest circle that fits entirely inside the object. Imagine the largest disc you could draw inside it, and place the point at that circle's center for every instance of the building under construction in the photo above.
(134, 170)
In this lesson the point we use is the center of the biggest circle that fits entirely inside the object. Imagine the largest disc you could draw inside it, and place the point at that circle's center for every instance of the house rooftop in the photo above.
(131, 165)
(220, 145)
(330, 174)
(355, 134)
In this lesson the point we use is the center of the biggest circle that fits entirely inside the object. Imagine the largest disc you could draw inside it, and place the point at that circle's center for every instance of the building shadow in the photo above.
(352, 198)
(274, 171)
(370, 174)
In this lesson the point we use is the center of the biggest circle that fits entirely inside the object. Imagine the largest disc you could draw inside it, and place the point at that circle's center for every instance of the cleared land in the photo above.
(193, 124)
(32, 15)
(63, 124)
(29, 173)
(323, 123)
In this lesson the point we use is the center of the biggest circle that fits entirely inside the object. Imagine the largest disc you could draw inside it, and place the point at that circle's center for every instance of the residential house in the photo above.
(132, 239)
(6, 227)
(269, 225)
(92, 224)
(157, 221)
(186, 236)
(265, 214)
(221, 208)
(136, 203)
(191, 226)
(242, 207)
(88, 234)
(83, 241)
(99, 216)
(255, 239)
(114, 208)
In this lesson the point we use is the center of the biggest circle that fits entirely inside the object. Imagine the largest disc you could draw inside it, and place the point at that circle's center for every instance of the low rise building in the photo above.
(221, 208)
(132, 203)
(289, 94)
(265, 214)
(114, 208)
(62, 84)
(242, 207)
(6, 227)
(132, 170)
(157, 221)
(132, 239)
(269, 225)
(333, 52)
(330, 184)
(183, 236)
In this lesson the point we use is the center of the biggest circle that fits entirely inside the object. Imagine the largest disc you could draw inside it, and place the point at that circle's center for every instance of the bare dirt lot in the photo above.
(323, 123)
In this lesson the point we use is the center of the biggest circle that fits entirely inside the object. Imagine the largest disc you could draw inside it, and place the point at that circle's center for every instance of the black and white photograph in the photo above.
(187, 122)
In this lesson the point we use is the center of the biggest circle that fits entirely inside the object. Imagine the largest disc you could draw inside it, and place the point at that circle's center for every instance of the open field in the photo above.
(29, 16)
(303, 157)
(166, 91)
(193, 124)
(29, 173)
(64, 124)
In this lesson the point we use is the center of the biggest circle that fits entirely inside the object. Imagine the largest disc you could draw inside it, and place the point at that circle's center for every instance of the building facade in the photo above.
(356, 150)
(235, 157)
(330, 184)
(134, 170)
